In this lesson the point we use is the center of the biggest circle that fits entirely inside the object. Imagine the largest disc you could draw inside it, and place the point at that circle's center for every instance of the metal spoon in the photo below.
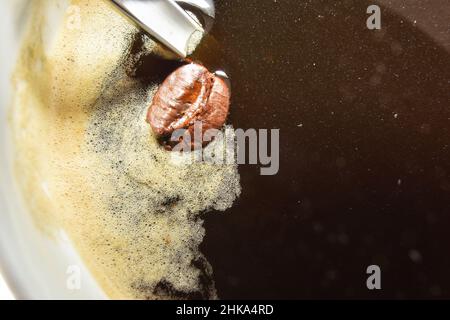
(165, 20)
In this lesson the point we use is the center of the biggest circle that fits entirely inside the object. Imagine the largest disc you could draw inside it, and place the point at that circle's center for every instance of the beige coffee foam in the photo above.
(87, 161)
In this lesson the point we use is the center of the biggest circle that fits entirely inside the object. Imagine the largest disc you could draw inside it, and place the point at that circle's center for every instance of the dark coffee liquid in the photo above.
(364, 119)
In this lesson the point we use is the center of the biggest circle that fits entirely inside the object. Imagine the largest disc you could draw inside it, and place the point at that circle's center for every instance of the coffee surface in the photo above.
(364, 124)
(364, 120)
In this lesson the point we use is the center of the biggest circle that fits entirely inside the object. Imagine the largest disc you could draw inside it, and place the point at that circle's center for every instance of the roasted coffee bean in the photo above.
(190, 94)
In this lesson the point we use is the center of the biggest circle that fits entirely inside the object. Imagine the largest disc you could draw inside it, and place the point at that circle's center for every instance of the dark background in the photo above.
(364, 119)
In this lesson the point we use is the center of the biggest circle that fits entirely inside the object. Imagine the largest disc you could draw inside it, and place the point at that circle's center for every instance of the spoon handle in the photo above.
(164, 20)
